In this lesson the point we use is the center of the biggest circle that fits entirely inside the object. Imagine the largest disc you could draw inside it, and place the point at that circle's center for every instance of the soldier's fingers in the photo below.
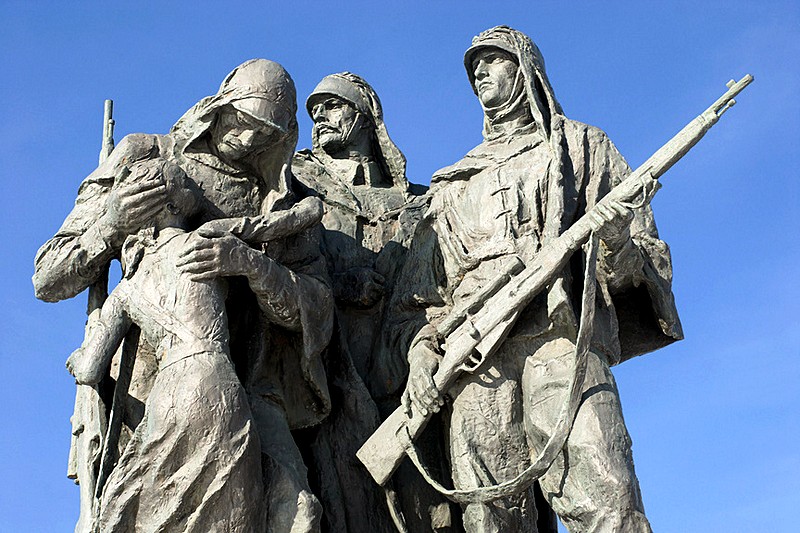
(606, 212)
(195, 244)
(202, 276)
(198, 271)
(197, 253)
(200, 259)
(405, 401)
(420, 396)
(618, 212)
(141, 186)
(143, 213)
(595, 221)
(623, 212)
(431, 393)
(137, 188)
(148, 196)
(200, 267)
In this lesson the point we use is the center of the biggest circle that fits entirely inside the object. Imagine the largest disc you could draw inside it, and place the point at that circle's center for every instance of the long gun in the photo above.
(108, 131)
(90, 417)
(477, 330)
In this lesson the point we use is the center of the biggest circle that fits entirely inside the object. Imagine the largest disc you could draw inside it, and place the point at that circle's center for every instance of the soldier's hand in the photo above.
(421, 391)
(610, 222)
(212, 254)
(131, 206)
(85, 370)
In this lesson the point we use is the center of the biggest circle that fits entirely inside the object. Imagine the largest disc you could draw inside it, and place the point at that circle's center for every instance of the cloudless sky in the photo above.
(714, 418)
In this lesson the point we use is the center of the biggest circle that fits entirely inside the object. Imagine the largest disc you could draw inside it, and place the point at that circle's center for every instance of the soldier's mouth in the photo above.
(234, 145)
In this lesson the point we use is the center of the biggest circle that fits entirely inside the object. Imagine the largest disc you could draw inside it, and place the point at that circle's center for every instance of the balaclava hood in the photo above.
(540, 96)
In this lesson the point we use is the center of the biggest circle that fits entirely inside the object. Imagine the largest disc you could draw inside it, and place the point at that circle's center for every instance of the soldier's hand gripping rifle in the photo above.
(474, 331)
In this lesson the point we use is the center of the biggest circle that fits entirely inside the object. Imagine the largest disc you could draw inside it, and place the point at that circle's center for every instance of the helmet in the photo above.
(344, 87)
(263, 90)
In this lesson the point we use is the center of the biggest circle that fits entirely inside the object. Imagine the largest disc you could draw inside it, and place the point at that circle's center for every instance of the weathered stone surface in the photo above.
(236, 145)
(370, 213)
(535, 173)
(286, 324)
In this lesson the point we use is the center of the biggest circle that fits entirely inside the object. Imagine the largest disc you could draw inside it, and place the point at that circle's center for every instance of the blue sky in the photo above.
(714, 418)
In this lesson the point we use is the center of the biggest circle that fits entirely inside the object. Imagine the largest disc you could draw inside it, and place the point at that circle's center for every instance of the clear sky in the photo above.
(714, 418)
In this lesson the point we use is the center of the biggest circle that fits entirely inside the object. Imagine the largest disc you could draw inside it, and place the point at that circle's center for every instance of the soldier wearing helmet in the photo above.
(370, 213)
(535, 173)
(237, 146)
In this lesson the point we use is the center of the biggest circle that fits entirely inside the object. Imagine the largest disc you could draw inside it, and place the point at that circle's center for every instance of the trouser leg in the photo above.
(591, 485)
(488, 446)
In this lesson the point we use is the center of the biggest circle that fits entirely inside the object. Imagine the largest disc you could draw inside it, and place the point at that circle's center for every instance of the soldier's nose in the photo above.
(246, 138)
(480, 69)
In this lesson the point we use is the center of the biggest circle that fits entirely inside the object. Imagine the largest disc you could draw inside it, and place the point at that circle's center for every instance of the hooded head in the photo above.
(530, 86)
(257, 97)
(353, 90)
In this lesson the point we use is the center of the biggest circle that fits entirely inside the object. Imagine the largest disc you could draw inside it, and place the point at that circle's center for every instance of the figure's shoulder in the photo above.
(132, 148)
(303, 157)
(578, 133)
(463, 169)
(309, 174)
(135, 147)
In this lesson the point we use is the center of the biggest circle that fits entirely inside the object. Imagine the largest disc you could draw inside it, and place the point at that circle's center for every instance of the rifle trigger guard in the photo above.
(473, 362)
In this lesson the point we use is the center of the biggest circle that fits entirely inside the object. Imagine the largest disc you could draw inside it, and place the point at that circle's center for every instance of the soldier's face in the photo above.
(237, 135)
(495, 71)
(334, 121)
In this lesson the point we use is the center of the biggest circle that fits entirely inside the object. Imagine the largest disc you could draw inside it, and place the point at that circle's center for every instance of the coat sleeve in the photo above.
(79, 252)
(293, 292)
(636, 269)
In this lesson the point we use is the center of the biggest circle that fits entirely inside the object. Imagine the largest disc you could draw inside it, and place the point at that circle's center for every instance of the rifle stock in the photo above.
(478, 336)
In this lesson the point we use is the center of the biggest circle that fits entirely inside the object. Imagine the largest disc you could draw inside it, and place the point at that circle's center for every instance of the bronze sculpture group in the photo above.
(286, 321)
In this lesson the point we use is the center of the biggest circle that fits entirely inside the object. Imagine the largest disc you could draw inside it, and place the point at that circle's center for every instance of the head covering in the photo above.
(540, 96)
(545, 109)
(354, 90)
(263, 90)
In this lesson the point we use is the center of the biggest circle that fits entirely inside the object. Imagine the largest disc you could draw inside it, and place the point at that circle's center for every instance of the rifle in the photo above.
(108, 131)
(90, 417)
(476, 330)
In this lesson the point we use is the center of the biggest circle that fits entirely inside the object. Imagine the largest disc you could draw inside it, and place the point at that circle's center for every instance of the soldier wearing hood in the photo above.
(535, 173)
(359, 173)
(237, 146)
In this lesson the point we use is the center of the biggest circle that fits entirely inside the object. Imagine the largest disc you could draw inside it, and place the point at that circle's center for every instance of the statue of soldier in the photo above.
(535, 173)
(237, 146)
(370, 211)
